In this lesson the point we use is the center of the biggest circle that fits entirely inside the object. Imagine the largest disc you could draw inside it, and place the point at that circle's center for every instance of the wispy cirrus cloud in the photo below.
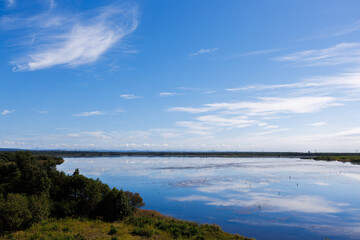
(74, 39)
(10, 3)
(235, 115)
(204, 51)
(216, 122)
(254, 53)
(337, 31)
(129, 96)
(89, 114)
(52, 4)
(261, 87)
(354, 27)
(266, 106)
(340, 85)
(342, 53)
(260, 52)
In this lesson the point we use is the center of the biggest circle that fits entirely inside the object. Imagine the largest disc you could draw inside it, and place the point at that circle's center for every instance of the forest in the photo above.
(31, 190)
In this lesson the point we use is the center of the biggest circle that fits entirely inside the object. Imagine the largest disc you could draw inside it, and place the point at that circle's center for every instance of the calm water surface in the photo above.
(264, 198)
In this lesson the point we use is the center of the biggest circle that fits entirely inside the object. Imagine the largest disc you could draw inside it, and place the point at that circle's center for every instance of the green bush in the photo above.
(145, 231)
(115, 206)
(14, 212)
(113, 230)
(39, 207)
(134, 199)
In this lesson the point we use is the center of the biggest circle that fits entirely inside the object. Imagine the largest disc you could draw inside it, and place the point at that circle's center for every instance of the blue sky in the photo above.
(180, 75)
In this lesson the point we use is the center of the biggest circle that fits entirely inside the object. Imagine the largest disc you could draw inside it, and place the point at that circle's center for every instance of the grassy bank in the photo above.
(352, 159)
(143, 225)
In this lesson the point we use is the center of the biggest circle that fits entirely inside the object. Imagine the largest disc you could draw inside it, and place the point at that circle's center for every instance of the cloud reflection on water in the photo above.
(319, 227)
(257, 189)
(272, 203)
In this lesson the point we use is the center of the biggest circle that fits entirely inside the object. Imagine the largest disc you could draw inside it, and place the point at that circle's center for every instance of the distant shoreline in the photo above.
(342, 157)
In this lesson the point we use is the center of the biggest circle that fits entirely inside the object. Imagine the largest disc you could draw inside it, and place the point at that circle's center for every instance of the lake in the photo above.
(264, 198)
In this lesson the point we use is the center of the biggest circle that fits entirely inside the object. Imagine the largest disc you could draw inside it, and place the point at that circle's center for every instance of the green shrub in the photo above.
(145, 231)
(79, 237)
(134, 199)
(14, 212)
(115, 206)
(113, 230)
(39, 206)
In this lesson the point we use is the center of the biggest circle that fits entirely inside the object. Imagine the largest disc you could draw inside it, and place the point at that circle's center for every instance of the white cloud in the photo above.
(192, 125)
(42, 111)
(83, 45)
(189, 109)
(260, 52)
(343, 53)
(332, 32)
(270, 126)
(167, 133)
(345, 86)
(235, 115)
(354, 27)
(119, 110)
(6, 112)
(215, 122)
(76, 40)
(169, 94)
(129, 96)
(203, 51)
(88, 114)
(274, 131)
(200, 140)
(262, 87)
(317, 124)
(91, 135)
(352, 132)
(267, 105)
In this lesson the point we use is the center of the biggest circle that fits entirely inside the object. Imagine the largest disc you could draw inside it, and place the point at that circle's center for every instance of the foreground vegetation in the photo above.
(39, 202)
(138, 227)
